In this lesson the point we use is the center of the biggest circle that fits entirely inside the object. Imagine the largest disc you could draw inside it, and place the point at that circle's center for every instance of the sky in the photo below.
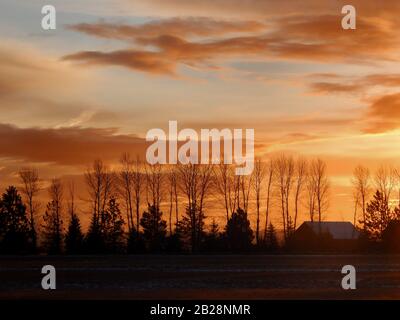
(112, 70)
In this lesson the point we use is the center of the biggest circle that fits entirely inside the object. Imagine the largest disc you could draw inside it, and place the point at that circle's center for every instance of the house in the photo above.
(332, 236)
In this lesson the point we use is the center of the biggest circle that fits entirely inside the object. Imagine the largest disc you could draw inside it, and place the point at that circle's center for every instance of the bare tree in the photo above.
(356, 198)
(300, 179)
(138, 180)
(259, 174)
(270, 177)
(31, 187)
(196, 181)
(223, 185)
(245, 183)
(154, 181)
(284, 168)
(56, 192)
(361, 184)
(228, 186)
(385, 181)
(311, 195)
(100, 183)
(126, 186)
(71, 200)
(321, 184)
(173, 196)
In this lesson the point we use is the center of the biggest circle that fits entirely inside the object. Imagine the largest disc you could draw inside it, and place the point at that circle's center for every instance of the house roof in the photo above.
(337, 229)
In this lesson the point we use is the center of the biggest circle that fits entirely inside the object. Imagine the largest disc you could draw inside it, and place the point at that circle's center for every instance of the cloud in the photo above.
(66, 146)
(354, 84)
(145, 61)
(37, 89)
(267, 8)
(160, 46)
(182, 27)
(329, 88)
(384, 114)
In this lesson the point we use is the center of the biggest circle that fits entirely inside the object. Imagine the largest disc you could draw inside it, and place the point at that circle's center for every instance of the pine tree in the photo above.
(271, 241)
(213, 240)
(106, 235)
(14, 224)
(52, 229)
(74, 236)
(191, 227)
(112, 227)
(135, 242)
(377, 217)
(94, 241)
(238, 231)
(154, 228)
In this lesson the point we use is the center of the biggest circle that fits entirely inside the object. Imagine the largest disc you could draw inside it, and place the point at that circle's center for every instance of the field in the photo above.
(200, 277)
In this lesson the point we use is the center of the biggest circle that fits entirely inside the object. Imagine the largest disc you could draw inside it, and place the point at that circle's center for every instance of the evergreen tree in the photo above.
(191, 228)
(378, 215)
(135, 242)
(238, 231)
(112, 227)
(175, 243)
(94, 241)
(106, 235)
(154, 228)
(213, 241)
(15, 235)
(52, 229)
(271, 241)
(74, 237)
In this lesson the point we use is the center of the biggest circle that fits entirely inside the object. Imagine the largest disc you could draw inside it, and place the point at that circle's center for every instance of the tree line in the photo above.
(154, 208)
(139, 208)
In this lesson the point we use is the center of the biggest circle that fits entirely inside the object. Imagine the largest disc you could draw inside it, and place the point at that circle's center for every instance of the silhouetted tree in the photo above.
(238, 231)
(270, 167)
(135, 242)
(285, 170)
(100, 183)
(300, 179)
(195, 182)
(74, 237)
(378, 215)
(30, 188)
(112, 227)
(191, 228)
(361, 184)
(259, 173)
(52, 227)
(175, 242)
(106, 233)
(271, 241)
(15, 235)
(213, 241)
(318, 189)
(154, 228)
(94, 241)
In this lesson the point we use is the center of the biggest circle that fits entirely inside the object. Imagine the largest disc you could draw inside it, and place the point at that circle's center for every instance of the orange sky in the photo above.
(114, 69)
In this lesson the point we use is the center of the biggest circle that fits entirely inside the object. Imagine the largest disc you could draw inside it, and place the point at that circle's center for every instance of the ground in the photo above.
(201, 277)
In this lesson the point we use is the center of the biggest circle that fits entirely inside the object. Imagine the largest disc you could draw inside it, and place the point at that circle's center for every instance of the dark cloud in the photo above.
(66, 146)
(137, 60)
